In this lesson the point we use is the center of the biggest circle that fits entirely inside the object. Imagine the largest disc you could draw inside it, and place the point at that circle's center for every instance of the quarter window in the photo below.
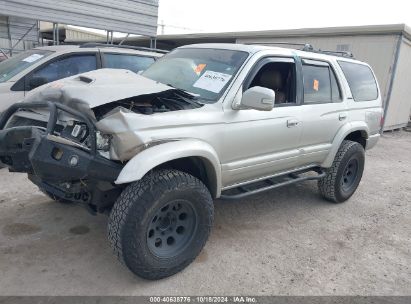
(361, 81)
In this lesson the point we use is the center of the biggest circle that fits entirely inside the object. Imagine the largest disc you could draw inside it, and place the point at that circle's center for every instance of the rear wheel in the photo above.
(159, 224)
(345, 174)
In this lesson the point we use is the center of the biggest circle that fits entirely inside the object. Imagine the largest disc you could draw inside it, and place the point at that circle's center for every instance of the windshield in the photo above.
(204, 72)
(14, 65)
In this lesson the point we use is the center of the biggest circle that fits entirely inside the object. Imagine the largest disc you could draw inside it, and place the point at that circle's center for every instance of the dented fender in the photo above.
(137, 167)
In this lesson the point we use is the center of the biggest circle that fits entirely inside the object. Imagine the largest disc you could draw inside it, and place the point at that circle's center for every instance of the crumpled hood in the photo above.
(86, 92)
(96, 88)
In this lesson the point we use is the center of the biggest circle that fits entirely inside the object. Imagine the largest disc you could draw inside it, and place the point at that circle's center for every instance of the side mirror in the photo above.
(258, 98)
(37, 81)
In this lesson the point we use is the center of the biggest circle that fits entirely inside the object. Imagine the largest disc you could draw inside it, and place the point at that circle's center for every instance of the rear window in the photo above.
(361, 81)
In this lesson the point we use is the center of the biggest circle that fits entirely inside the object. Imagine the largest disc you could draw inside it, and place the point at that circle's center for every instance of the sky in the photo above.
(195, 16)
(203, 16)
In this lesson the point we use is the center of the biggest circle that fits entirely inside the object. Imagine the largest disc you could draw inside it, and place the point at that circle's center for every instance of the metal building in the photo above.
(17, 34)
(126, 16)
(69, 34)
(387, 48)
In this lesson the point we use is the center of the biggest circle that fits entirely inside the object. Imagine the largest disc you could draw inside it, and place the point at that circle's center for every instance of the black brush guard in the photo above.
(50, 162)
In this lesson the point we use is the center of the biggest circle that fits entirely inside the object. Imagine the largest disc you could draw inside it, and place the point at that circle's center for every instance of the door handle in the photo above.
(342, 116)
(292, 123)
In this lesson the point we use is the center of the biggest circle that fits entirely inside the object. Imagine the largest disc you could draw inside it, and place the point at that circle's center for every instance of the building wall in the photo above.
(398, 111)
(376, 50)
(17, 28)
(126, 16)
(20, 46)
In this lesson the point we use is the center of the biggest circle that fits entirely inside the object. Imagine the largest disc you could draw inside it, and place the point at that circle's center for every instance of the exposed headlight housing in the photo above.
(103, 141)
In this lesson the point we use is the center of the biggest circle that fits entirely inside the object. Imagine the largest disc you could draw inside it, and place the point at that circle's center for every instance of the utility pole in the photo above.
(162, 26)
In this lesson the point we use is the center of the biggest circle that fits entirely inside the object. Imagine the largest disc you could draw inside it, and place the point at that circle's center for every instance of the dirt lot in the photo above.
(287, 241)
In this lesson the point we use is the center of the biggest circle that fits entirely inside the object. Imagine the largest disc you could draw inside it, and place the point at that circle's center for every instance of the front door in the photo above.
(262, 143)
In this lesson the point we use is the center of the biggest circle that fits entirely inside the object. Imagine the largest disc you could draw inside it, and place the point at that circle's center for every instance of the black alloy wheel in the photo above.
(172, 228)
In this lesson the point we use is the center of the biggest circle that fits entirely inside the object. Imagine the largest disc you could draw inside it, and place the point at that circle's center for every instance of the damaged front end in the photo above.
(74, 145)
(63, 162)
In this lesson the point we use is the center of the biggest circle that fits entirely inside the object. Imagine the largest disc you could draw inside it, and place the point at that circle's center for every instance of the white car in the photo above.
(31, 69)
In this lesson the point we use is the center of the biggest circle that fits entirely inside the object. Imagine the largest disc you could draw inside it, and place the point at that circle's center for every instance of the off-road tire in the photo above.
(135, 211)
(331, 186)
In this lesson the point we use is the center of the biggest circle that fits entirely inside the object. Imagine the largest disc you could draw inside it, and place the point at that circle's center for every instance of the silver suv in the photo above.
(204, 122)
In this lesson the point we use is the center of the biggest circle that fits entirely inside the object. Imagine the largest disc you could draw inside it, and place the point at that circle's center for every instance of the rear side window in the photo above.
(320, 84)
(361, 81)
(129, 62)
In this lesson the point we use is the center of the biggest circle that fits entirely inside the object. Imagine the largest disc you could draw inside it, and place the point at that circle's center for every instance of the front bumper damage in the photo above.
(58, 166)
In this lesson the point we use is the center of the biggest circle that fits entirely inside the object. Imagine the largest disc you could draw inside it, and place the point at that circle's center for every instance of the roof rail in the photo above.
(305, 46)
(308, 48)
(138, 48)
(337, 53)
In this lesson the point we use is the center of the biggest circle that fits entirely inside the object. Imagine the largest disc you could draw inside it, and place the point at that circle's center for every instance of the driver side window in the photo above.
(62, 68)
(280, 77)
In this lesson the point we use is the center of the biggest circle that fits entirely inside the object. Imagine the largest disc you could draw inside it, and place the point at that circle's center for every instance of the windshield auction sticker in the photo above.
(212, 81)
(33, 58)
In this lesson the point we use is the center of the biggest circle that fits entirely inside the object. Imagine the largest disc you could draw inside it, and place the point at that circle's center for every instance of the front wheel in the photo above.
(345, 174)
(160, 224)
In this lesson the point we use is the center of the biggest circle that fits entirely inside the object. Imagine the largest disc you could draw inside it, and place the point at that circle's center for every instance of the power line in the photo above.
(162, 25)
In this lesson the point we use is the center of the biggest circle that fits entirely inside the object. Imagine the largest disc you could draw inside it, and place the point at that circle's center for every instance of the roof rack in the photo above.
(336, 53)
(309, 48)
(305, 46)
(138, 48)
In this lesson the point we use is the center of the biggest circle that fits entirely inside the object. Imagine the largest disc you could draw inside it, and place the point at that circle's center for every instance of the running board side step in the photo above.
(270, 183)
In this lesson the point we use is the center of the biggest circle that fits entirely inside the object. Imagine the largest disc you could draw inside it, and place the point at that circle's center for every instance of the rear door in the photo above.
(323, 112)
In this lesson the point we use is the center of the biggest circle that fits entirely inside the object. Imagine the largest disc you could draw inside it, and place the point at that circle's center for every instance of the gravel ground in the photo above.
(284, 242)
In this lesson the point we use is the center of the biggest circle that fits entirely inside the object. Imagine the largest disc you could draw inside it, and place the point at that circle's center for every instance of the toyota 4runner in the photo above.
(204, 122)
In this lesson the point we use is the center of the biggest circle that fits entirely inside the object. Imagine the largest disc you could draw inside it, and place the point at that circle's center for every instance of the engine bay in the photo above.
(168, 101)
